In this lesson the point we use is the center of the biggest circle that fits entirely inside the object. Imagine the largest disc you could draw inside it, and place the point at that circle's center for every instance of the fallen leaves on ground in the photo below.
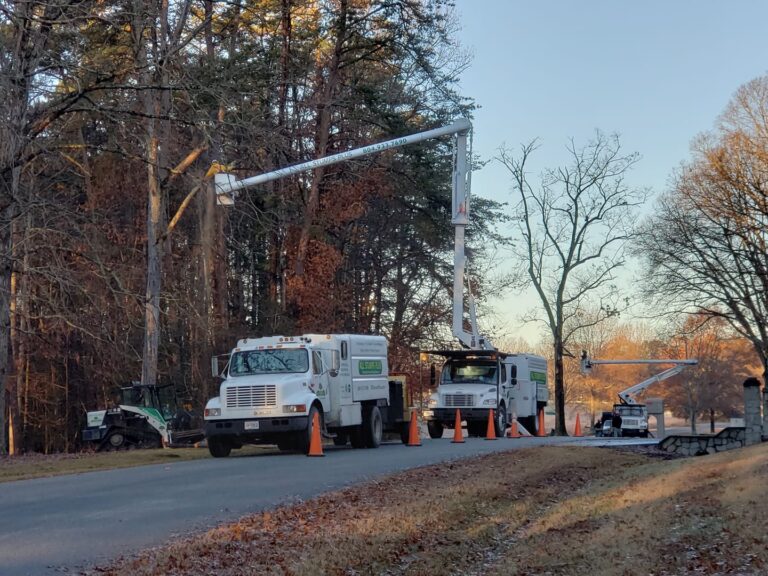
(543, 511)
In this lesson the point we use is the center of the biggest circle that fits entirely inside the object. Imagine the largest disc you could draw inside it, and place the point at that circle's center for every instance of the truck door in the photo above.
(321, 361)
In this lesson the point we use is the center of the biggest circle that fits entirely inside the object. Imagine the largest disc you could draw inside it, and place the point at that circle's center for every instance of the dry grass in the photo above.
(29, 466)
(545, 511)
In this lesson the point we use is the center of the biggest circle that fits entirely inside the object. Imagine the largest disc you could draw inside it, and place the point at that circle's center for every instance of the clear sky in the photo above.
(658, 72)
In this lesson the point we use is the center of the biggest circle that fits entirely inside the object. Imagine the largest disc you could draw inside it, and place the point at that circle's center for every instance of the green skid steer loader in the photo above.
(144, 417)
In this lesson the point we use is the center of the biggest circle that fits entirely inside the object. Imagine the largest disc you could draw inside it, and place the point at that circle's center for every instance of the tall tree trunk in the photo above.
(18, 346)
(156, 97)
(7, 393)
(559, 388)
(322, 132)
(5, 322)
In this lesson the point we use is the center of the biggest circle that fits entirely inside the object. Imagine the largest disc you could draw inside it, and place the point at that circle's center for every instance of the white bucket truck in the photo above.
(476, 381)
(634, 415)
(273, 386)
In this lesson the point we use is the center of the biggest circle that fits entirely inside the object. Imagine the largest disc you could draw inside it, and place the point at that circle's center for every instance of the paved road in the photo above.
(55, 525)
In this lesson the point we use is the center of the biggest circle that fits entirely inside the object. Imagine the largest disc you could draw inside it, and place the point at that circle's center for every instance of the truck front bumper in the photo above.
(255, 427)
(448, 415)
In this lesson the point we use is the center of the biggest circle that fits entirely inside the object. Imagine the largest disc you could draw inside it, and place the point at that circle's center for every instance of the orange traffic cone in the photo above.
(490, 434)
(458, 435)
(315, 443)
(577, 429)
(540, 431)
(413, 432)
(512, 432)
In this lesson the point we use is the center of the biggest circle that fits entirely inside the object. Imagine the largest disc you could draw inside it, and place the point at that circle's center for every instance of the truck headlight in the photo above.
(489, 402)
(209, 412)
(432, 402)
(294, 408)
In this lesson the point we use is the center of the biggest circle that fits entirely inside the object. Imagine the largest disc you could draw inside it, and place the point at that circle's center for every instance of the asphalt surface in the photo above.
(63, 524)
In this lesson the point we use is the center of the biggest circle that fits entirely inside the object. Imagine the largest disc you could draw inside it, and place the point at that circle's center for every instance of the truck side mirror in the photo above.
(335, 364)
(432, 375)
(216, 371)
(513, 375)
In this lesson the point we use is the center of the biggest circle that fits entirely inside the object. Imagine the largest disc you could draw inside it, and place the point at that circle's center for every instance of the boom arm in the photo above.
(227, 185)
(628, 396)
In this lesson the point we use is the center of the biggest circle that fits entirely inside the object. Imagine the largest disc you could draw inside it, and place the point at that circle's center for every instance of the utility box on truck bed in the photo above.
(273, 386)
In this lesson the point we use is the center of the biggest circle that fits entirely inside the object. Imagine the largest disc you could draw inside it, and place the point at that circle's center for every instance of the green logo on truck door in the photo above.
(539, 377)
(366, 367)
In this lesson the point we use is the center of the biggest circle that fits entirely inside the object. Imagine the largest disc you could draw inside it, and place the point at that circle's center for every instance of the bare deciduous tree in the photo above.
(706, 245)
(574, 227)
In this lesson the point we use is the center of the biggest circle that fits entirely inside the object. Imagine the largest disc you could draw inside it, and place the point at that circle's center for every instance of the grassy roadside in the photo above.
(29, 466)
(543, 511)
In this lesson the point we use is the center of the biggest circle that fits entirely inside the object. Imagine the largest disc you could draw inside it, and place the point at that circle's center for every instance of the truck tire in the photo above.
(219, 447)
(435, 429)
(373, 427)
(500, 422)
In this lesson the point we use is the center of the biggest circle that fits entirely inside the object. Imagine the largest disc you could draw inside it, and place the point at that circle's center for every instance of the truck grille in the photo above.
(459, 400)
(630, 422)
(251, 396)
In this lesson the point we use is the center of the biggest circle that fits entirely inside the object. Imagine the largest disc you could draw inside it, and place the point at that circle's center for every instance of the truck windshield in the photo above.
(633, 411)
(283, 360)
(469, 372)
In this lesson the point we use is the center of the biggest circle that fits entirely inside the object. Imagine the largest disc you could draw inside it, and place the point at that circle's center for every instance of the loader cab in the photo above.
(161, 398)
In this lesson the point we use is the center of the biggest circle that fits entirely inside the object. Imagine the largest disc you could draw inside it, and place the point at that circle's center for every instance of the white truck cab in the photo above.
(273, 386)
(476, 381)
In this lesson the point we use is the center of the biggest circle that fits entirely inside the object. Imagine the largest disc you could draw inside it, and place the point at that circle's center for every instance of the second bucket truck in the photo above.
(476, 381)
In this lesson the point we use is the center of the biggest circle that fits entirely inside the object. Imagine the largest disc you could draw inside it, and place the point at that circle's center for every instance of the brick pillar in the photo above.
(753, 422)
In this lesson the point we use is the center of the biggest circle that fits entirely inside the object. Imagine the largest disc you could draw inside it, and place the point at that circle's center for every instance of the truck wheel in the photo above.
(500, 424)
(435, 429)
(372, 427)
(219, 447)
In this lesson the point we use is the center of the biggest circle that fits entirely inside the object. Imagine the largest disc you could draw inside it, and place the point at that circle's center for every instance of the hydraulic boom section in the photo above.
(227, 185)
(634, 415)
(628, 396)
